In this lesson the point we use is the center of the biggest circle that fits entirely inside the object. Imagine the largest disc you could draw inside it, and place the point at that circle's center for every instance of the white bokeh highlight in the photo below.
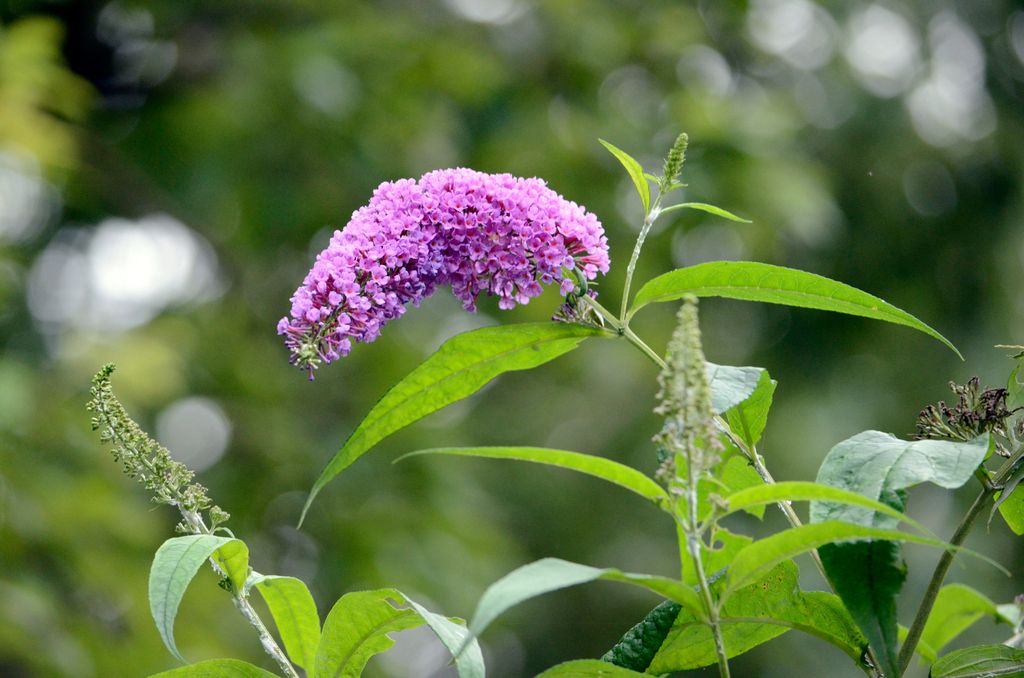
(952, 105)
(27, 201)
(800, 32)
(195, 430)
(120, 274)
(883, 51)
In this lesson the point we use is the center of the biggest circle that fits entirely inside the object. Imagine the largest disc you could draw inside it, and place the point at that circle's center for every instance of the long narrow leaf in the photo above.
(597, 467)
(469, 658)
(551, 574)
(460, 368)
(704, 207)
(635, 171)
(217, 668)
(754, 281)
(806, 491)
(757, 558)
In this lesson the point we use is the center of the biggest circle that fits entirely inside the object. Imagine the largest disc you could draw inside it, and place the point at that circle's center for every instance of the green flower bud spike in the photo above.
(149, 462)
(689, 431)
(689, 446)
(170, 482)
(674, 163)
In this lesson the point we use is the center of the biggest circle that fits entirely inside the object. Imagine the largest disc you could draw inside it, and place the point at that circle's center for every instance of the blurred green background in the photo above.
(169, 169)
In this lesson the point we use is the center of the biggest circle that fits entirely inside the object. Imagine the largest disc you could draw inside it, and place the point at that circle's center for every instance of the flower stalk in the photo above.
(666, 183)
(171, 483)
(990, 486)
(938, 577)
(976, 411)
(690, 447)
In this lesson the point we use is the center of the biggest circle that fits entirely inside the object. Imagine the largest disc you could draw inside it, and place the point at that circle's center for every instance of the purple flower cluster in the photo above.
(492, 233)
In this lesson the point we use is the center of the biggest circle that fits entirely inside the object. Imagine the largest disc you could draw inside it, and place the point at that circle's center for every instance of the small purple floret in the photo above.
(480, 233)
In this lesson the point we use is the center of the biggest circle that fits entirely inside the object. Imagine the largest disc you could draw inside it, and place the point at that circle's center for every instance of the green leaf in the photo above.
(1010, 502)
(956, 608)
(588, 668)
(877, 465)
(1009, 613)
(469, 658)
(981, 661)
(805, 491)
(731, 386)
(823, 614)
(1012, 511)
(881, 467)
(704, 207)
(867, 576)
(747, 418)
(756, 614)
(551, 574)
(233, 559)
(217, 668)
(1015, 385)
(726, 545)
(636, 173)
(357, 628)
(753, 281)
(175, 564)
(598, 467)
(463, 365)
(359, 625)
(730, 475)
(637, 647)
(294, 612)
(755, 560)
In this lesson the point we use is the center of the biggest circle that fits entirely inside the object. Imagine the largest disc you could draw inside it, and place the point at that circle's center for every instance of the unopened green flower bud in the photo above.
(146, 460)
(685, 399)
(675, 159)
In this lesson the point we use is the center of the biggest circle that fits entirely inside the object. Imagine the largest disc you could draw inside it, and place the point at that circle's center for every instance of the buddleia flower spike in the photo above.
(492, 234)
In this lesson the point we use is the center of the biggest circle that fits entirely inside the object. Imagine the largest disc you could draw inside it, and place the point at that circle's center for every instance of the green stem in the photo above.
(938, 576)
(631, 336)
(197, 525)
(605, 314)
(755, 459)
(652, 215)
(1006, 470)
(750, 452)
(990, 487)
(693, 546)
(245, 608)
